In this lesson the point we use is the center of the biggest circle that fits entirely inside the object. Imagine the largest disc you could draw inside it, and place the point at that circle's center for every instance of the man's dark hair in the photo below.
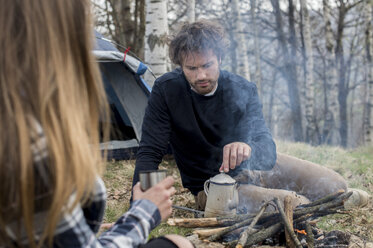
(199, 36)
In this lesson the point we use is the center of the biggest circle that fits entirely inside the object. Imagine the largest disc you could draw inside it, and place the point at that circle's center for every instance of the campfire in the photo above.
(285, 226)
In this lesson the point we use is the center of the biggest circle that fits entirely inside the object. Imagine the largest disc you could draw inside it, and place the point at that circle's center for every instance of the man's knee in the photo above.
(306, 178)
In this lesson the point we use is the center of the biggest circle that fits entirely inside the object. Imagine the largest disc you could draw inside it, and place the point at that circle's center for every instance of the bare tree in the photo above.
(343, 89)
(289, 72)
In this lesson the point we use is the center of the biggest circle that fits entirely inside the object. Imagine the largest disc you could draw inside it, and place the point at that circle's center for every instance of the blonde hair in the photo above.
(47, 72)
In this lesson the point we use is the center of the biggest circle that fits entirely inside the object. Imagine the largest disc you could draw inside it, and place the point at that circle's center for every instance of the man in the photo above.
(213, 120)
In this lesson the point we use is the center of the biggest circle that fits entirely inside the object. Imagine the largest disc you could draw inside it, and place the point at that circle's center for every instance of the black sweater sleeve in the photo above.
(155, 133)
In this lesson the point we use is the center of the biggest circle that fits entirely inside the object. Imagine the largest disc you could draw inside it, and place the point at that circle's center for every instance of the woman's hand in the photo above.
(160, 194)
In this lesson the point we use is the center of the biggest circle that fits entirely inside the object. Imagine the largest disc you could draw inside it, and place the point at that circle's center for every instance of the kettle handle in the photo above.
(205, 186)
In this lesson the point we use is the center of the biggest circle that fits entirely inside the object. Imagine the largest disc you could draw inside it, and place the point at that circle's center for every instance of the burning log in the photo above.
(309, 238)
(250, 229)
(336, 200)
(258, 227)
(287, 225)
(268, 232)
(288, 208)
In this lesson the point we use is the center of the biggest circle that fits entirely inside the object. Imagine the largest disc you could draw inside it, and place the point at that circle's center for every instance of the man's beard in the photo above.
(201, 89)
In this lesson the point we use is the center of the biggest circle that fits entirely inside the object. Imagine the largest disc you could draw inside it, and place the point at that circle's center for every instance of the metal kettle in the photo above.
(222, 195)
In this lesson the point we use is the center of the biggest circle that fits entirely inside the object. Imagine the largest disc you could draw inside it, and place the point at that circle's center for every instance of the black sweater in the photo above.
(198, 127)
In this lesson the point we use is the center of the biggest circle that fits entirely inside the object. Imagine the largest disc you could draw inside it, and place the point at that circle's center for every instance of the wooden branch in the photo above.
(250, 229)
(323, 200)
(309, 238)
(258, 236)
(241, 217)
(287, 224)
(288, 208)
(267, 232)
(218, 235)
(325, 206)
(208, 222)
(322, 207)
(193, 222)
(204, 233)
(263, 234)
(335, 201)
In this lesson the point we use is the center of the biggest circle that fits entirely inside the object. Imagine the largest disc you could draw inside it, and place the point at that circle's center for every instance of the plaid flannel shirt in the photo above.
(78, 228)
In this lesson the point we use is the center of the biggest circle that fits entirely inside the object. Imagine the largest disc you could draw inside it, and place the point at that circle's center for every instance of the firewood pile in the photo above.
(268, 228)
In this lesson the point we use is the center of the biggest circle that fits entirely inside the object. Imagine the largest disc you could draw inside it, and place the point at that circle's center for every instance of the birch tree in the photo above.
(191, 11)
(156, 30)
(241, 48)
(258, 69)
(331, 133)
(368, 118)
(311, 134)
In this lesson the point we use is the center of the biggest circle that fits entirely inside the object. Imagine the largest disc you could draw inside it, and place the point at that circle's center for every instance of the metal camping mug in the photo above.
(149, 178)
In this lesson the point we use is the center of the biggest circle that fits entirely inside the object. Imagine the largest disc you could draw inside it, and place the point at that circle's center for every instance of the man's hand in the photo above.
(233, 155)
(159, 194)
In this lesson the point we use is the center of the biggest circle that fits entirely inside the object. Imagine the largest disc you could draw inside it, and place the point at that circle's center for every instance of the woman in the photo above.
(51, 98)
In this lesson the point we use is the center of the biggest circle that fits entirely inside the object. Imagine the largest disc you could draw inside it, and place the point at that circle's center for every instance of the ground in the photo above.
(356, 166)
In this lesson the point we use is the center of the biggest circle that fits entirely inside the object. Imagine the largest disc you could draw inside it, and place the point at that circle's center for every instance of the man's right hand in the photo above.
(159, 194)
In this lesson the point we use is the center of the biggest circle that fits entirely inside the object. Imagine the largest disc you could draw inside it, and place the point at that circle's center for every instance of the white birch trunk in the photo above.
(332, 119)
(368, 122)
(241, 48)
(311, 134)
(258, 70)
(191, 14)
(156, 30)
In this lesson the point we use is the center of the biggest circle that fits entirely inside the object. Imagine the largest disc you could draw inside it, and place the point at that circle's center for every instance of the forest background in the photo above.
(311, 60)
